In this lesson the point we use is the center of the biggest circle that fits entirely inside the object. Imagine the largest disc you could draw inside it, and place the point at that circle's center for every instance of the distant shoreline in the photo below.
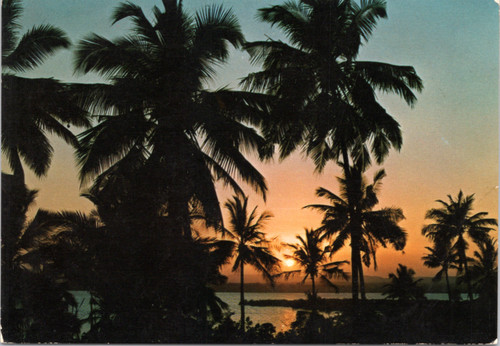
(372, 286)
(346, 304)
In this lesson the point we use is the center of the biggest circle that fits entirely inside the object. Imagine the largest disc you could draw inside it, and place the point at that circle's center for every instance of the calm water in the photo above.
(280, 317)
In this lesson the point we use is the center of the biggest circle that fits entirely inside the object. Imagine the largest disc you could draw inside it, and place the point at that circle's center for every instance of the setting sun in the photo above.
(289, 262)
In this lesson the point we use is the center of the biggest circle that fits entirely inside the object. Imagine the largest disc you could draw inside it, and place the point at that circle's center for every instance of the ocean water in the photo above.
(280, 317)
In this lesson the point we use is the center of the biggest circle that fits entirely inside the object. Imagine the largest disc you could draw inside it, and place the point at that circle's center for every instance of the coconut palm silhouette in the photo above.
(250, 244)
(454, 222)
(314, 261)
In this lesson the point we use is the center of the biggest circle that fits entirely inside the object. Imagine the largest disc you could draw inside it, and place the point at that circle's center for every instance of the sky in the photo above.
(450, 137)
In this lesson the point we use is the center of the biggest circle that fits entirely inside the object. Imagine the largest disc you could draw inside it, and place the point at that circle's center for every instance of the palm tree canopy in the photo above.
(357, 200)
(442, 257)
(403, 286)
(251, 245)
(33, 108)
(37, 44)
(155, 114)
(328, 98)
(455, 219)
(484, 268)
(454, 223)
(314, 259)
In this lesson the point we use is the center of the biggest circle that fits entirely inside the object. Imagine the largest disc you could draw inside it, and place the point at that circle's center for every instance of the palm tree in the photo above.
(327, 103)
(33, 108)
(403, 286)
(309, 255)
(455, 221)
(161, 131)
(441, 256)
(483, 269)
(251, 245)
(351, 215)
(326, 97)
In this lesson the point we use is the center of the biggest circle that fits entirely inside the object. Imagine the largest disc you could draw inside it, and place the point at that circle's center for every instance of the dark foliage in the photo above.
(36, 306)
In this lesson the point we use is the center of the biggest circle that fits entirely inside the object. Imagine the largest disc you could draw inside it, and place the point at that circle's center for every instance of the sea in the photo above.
(281, 317)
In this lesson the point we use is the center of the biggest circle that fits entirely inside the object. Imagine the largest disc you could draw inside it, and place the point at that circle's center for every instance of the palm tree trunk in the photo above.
(354, 271)
(313, 289)
(447, 283)
(354, 243)
(466, 267)
(467, 278)
(242, 297)
(345, 163)
(361, 279)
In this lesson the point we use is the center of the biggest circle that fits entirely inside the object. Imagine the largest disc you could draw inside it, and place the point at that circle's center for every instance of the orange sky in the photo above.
(450, 137)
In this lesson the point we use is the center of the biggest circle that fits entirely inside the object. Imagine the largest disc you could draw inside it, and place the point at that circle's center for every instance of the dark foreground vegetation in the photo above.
(391, 321)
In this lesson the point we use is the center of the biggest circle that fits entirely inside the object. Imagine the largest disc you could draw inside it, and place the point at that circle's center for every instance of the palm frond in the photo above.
(35, 46)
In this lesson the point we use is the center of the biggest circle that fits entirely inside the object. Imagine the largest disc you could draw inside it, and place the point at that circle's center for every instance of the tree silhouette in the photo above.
(309, 255)
(327, 104)
(33, 108)
(442, 256)
(36, 306)
(483, 270)
(403, 286)
(351, 216)
(162, 131)
(326, 97)
(455, 221)
(250, 243)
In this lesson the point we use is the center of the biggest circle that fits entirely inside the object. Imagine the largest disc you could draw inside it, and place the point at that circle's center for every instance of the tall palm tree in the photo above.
(351, 216)
(309, 254)
(441, 256)
(454, 222)
(33, 108)
(327, 98)
(159, 129)
(403, 286)
(251, 245)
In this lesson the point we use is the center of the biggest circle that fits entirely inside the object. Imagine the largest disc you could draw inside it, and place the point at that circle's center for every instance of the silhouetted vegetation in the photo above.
(310, 255)
(250, 244)
(36, 306)
(403, 286)
(32, 108)
(455, 221)
(351, 216)
(154, 144)
(441, 256)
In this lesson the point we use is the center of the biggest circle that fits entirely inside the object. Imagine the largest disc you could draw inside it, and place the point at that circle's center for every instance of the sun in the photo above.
(289, 262)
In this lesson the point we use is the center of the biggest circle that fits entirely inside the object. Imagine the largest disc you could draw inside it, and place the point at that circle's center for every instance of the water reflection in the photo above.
(280, 317)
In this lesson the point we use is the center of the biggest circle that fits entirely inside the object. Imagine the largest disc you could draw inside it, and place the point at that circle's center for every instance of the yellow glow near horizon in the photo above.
(289, 262)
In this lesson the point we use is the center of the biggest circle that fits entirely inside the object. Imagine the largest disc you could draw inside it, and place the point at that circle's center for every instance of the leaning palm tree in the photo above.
(159, 129)
(251, 245)
(403, 286)
(351, 216)
(443, 257)
(309, 254)
(327, 98)
(455, 222)
(33, 108)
